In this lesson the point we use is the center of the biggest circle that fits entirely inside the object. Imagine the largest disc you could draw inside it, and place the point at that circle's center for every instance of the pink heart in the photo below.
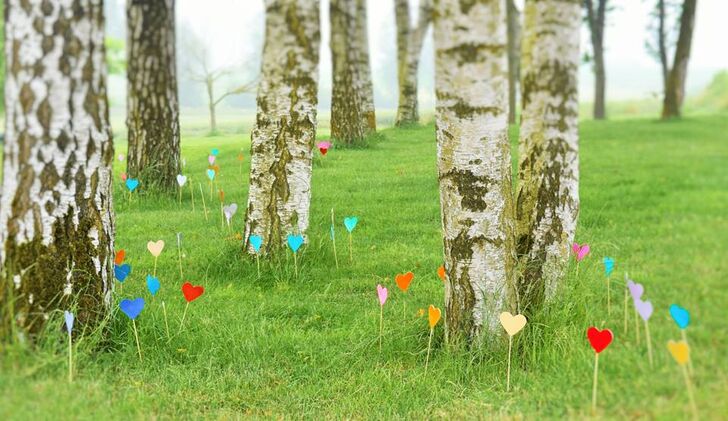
(580, 251)
(123, 176)
(211, 159)
(644, 308)
(382, 293)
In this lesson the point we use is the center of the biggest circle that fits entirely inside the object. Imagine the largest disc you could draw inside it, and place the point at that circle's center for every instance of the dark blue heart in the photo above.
(122, 271)
(132, 308)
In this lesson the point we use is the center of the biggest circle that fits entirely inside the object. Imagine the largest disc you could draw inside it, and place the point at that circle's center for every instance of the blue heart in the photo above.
(122, 271)
(153, 284)
(132, 308)
(214, 152)
(295, 242)
(256, 241)
(350, 223)
(211, 174)
(680, 315)
(69, 320)
(608, 265)
(132, 184)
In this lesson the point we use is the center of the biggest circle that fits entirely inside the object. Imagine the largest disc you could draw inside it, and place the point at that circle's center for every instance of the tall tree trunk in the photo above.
(409, 59)
(547, 203)
(675, 86)
(474, 161)
(596, 20)
(662, 40)
(211, 105)
(152, 106)
(285, 129)
(56, 216)
(347, 109)
(361, 43)
(514, 58)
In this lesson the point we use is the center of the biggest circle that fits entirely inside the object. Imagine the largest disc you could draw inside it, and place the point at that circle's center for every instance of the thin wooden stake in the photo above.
(429, 346)
(179, 254)
(609, 297)
(690, 359)
(136, 335)
(637, 325)
(155, 266)
(295, 263)
(594, 386)
(166, 324)
(257, 262)
(333, 238)
(204, 206)
(649, 343)
(625, 309)
(689, 387)
(351, 252)
(381, 326)
(70, 358)
(183, 318)
(508, 375)
(192, 195)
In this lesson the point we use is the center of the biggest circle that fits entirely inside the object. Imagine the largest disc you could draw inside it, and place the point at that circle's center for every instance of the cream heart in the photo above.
(512, 324)
(155, 247)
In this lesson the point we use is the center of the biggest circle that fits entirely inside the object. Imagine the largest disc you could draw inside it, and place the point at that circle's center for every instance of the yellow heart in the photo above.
(680, 351)
(512, 324)
(433, 316)
(155, 247)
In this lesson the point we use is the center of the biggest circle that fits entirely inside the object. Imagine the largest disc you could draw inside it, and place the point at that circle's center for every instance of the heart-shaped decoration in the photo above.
(119, 257)
(680, 316)
(230, 210)
(441, 272)
(120, 157)
(644, 308)
(132, 184)
(181, 179)
(211, 159)
(256, 241)
(680, 351)
(153, 284)
(211, 174)
(403, 281)
(350, 223)
(69, 319)
(599, 339)
(580, 251)
(155, 247)
(295, 242)
(190, 292)
(124, 177)
(214, 152)
(323, 147)
(241, 156)
(382, 294)
(132, 308)
(512, 324)
(608, 265)
(635, 289)
(122, 271)
(433, 316)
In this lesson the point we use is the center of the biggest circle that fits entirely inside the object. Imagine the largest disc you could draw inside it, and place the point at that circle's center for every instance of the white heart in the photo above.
(181, 179)
(121, 157)
(230, 210)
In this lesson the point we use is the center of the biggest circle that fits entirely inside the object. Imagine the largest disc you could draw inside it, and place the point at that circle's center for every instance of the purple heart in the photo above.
(635, 289)
(644, 308)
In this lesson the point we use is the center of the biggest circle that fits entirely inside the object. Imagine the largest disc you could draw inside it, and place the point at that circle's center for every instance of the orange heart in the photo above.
(403, 281)
(441, 272)
(433, 316)
(119, 257)
(679, 350)
(222, 195)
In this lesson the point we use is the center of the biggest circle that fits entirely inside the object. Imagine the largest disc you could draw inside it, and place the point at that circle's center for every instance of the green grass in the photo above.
(653, 197)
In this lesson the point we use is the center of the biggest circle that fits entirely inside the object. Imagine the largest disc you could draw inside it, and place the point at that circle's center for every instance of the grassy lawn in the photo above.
(654, 198)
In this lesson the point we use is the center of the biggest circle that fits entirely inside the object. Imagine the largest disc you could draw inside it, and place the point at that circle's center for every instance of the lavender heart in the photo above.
(69, 318)
(644, 308)
(635, 289)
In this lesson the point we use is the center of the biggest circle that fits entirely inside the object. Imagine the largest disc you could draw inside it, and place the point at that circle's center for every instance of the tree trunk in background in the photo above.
(209, 86)
(675, 86)
(409, 46)
(474, 160)
(514, 58)
(596, 21)
(361, 43)
(285, 128)
(662, 40)
(347, 112)
(56, 216)
(152, 106)
(547, 203)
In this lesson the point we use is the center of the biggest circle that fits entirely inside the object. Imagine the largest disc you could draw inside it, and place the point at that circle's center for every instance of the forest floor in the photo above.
(653, 196)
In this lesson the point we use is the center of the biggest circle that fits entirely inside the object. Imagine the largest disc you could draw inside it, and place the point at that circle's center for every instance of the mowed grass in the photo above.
(654, 197)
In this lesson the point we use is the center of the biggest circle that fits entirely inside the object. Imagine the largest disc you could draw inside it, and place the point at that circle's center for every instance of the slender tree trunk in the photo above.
(56, 216)
(662, 40)
(347, 113)
(474, 160)
(675, 86)
(402, 20)
(514, 58)
(547, 203)
(361, 43)
(211, 104)
(285, 129)
(409, 60)
(152, 106)
(596, 20)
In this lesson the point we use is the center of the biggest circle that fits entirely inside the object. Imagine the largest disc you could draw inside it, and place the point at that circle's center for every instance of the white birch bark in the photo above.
(364, 72)
(409, 44)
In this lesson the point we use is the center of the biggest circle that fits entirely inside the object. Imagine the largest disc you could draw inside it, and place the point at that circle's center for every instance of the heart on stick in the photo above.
(69, 319)
(122, 271)
(155, 247)
(512, 324)
(680, 315)
(350, 223)
(119, 257)
(441, 272)
(124, 177)
(191, 292)
(256, 241)
(214, 152)
(132, 308)
(580, 251)
(181, 179)
(230, 211)
(635, 289)
(644, 308)
(132, 184)
(680, 351)
(403, 280)
(153, 284)
(211, 174)
(608, 265)
(382, 294)
(121, 157)
(433, 316)
(211, 159)
(323, 147)
(295, 242)
(599, 339)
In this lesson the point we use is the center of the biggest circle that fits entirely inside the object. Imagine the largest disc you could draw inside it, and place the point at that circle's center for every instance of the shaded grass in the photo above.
(653, 197)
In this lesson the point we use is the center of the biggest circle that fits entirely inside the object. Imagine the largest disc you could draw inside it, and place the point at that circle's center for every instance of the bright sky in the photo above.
(234, 30)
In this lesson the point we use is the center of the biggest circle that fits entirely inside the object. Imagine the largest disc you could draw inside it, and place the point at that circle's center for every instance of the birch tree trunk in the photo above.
(361, 43)
(548, 171)
(596, 20)
(152, 107)
(514, 57)
(56, 216)
(474, 163)
(285, 129)
(675, 86)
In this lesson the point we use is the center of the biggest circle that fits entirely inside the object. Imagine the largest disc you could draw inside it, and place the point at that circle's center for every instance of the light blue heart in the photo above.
(332, 232)
(132, 308)
(214, 152)
(608, 265)
(680, 315)
(122, 271)
(350, 223)
(256, 241)
(153, 284)
(69, 321)
(211, 174)
(132, 184)
(295, 242)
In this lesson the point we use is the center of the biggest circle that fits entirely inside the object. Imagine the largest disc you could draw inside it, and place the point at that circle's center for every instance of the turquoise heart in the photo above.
(153, 284)
(295, 242)
(680, 316)
(132, 184)
(350, 223)
(214, 152)
(132, 308)
(122, 271)
(256, 241)
(608, 265)
(211, 174)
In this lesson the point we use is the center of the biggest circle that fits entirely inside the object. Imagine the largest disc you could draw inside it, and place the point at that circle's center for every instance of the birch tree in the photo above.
(474, 163)
(596, 12)
(548, 170)
(152, 107)
(56, 216)
(285, 130)
(366, 87)
(675, 84)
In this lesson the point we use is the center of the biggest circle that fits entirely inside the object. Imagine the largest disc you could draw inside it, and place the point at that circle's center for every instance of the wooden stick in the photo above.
(183, 317)
(257, 262)
(179, 254)
(649, 343)
(609, 297)
(637, 325)
(625, 309)
(192, 195)
(689, 387)
(594, 386)
(295, 263)
(70, 358)
(508, 375)
(690, 359)
(429, 346)
(136, 335)
(204, 207)
(333, 238)
(351, 253)
(155, 266)
(381, 326)
(180, 195)
(166, 325)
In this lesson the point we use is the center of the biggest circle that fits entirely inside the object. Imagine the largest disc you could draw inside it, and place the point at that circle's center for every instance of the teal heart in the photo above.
(132, 308)
(608, 265)
(122, 271)
(132, 184)
(214, 152)
(256, 241)
(680, 316)
(350, 223)
(211, 174)
(295, 242)
(153, 284)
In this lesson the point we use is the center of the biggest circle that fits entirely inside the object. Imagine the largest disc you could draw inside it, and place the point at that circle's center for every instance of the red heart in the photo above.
(599, 339)
(403, 281)
(192, 292)
(323, 151)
